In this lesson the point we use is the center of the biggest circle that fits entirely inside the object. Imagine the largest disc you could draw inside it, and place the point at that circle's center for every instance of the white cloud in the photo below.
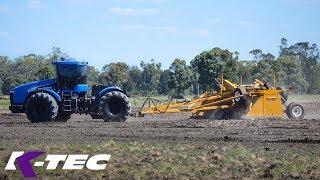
(133, 27)
(131, 11)
(3, 34)
(34, 4)
(214, 20)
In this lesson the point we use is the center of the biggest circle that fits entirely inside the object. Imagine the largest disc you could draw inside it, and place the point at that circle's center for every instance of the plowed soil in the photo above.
(15, 128)
(173, 146)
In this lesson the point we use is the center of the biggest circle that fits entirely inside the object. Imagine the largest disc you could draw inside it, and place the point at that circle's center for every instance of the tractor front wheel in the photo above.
(114, 107)
(41, 107)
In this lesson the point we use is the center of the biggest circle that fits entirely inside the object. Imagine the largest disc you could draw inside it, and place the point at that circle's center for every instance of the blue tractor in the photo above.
(56, 99)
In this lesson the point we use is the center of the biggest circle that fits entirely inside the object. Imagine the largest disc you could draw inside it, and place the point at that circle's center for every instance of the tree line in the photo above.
(296, 66)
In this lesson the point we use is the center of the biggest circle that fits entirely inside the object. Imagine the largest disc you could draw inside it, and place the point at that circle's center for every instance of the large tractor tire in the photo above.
(114, 107)
(295, 111)
(41, 107)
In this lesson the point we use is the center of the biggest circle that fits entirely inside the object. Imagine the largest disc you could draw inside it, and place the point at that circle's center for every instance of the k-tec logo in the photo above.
(71, 162)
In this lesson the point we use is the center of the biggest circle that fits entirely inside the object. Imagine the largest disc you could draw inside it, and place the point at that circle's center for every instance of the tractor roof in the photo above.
(69, 62)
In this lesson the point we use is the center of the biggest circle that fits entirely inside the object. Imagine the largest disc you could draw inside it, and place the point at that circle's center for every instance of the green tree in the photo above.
(257, 54)
(194, 81)
(5, 69)
(56, 54)
(263, 70)
(24, 69)
(211, 64)
(93, 75)
(32, 67)
(308, 55)
(132, 83)
(178, 76)
(316, 75)
(150, 76)
(115, 74)
(163, 87)
(265, 63)
(290, 73)
(246, 69)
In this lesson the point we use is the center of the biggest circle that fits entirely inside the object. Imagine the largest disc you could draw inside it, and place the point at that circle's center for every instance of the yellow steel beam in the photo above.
(264, 102)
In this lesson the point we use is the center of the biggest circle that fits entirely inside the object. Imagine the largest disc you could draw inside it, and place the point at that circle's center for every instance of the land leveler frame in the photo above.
(232, 101)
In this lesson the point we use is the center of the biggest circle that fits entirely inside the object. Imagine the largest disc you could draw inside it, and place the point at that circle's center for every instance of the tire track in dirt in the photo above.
(174, 127)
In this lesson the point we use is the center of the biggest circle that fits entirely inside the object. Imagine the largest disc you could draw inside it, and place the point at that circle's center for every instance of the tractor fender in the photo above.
(109, 89)
(45, 90)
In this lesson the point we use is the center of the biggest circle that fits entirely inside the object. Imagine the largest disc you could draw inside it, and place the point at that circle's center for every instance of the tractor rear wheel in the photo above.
(41, 107)
(114, 107)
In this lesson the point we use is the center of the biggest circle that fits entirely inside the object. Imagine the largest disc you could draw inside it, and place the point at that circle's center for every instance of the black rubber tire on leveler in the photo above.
(295, 111)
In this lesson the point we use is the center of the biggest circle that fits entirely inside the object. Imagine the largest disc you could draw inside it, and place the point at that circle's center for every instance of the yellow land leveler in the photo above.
(232, 101)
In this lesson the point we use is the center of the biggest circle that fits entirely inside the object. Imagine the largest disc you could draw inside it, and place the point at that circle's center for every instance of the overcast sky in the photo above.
(101, 32)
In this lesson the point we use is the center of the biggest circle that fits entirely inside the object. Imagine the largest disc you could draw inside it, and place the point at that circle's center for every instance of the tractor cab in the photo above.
(71, 84)
(71, 76)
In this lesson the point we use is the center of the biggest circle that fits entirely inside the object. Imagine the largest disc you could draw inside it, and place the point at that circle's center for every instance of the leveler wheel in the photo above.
(114, 107)
(241, 100)
(241, 106)
(295, 111)
(41, 107)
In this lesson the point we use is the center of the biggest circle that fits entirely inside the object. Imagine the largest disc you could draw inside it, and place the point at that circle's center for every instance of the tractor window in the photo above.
(69, 76)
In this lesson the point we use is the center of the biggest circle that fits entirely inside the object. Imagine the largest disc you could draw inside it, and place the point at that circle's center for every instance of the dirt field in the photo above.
(273, 135)
(173, 127)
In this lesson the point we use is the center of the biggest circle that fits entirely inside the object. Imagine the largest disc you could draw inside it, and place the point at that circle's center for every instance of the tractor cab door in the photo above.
(71, 84)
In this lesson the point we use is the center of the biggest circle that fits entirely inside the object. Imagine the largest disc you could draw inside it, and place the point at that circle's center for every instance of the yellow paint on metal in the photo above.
(263, 102)
(266, 103)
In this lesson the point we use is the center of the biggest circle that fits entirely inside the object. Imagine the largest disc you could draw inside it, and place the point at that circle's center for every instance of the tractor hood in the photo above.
(23, 90)
(35, 84)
